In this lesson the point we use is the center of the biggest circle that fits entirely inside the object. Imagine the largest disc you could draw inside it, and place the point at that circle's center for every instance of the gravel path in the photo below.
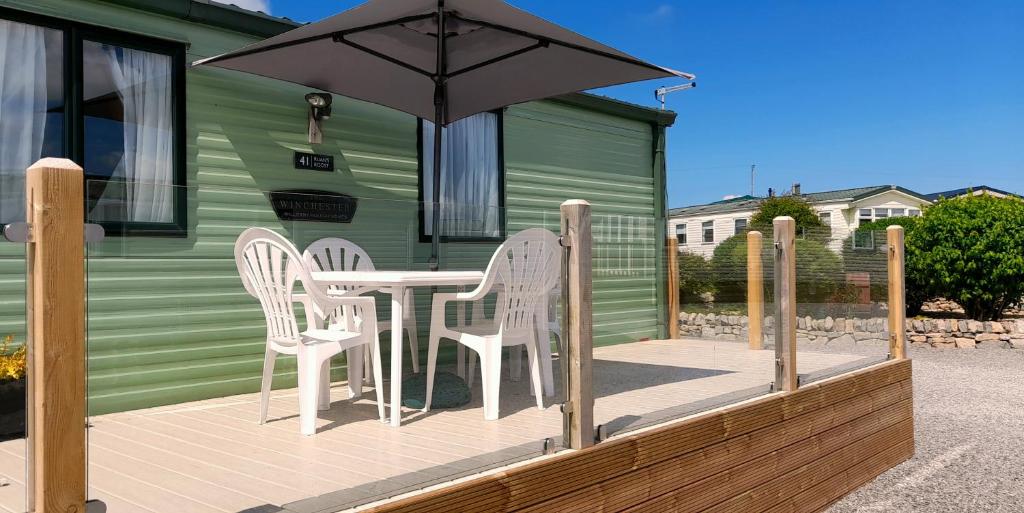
(969, 423)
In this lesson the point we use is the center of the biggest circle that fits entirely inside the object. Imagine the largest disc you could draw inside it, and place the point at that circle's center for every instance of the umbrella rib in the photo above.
(523, 33)
(340, 38)
(284, 44)
(488, 62)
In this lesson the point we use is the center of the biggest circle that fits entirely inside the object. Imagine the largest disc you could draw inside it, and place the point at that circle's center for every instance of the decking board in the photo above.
(212, 456)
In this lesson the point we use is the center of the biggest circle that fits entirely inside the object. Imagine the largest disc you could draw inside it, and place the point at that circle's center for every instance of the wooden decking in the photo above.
(211, 456)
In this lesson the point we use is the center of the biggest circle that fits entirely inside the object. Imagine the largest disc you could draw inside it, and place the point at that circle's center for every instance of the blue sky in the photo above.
(927, 94)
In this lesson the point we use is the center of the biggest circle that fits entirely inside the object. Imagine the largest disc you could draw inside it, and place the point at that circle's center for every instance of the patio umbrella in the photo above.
(441, 60)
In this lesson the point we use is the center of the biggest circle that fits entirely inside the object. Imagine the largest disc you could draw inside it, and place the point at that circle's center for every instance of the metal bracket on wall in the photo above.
(22, 232)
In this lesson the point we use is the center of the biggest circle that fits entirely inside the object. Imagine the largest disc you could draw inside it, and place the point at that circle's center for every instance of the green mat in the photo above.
(450, 391)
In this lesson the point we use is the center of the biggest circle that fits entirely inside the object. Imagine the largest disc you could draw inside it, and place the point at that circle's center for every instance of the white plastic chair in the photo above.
(269, 265)
(335, 254)
(523, 270)
(546, 322)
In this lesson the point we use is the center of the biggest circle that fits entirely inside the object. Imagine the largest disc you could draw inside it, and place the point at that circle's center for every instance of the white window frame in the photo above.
(704, 227)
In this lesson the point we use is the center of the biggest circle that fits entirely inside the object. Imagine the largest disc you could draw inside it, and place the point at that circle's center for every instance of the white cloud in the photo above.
(252, 5)
(663, 11)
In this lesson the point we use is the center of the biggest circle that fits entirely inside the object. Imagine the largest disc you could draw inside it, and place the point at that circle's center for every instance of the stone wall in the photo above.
(951, 333)
(965, 333)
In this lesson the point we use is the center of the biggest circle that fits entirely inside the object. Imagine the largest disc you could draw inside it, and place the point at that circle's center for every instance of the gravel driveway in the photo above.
(969, 424)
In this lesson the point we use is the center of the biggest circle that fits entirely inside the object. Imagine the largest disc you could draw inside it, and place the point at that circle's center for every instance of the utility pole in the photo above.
(752, 168)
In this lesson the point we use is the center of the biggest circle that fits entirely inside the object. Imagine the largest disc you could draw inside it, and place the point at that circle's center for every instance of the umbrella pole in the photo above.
(440, 96)
(435, 218)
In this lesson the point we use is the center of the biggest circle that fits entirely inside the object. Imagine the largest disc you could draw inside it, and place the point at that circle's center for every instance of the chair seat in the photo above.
(322, 335)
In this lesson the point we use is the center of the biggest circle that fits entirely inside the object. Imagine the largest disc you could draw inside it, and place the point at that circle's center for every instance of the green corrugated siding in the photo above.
(168, 320)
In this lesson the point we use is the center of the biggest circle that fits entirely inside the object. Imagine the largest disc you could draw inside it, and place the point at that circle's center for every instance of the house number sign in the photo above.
(314, 161)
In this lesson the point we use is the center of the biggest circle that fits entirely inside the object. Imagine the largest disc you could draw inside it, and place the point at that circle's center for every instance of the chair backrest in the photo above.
(269, 266)
(525, 268)
(336, 254)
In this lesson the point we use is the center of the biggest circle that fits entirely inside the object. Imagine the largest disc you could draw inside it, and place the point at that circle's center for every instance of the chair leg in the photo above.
(515, 362)
(544, 353)
(410, 328)
(309, 371)
(533, 355)
(323, 400)
(268, 379)
(460, 365)
(355, 372)
(378, 375)
(368, 369)
(471, 372)
(431, 368)
(490, 374)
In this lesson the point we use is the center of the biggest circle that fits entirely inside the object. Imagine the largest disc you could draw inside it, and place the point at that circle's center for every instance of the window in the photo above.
(708, 229)
(826, 218)
(472, 179)
(914, 212)
(864, 216)
(113, 103)
(881, 213)
(681, 233)
(897, 212)
(739, 225)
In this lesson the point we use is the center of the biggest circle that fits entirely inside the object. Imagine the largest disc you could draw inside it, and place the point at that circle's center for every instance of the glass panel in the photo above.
(471, 181)
(177, 347)
(842, 294)
(32, 103)
(129, 137)
(641, 379)
(13, 352)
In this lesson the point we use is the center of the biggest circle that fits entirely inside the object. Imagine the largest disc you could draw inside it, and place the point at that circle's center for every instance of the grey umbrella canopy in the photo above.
(441, 60)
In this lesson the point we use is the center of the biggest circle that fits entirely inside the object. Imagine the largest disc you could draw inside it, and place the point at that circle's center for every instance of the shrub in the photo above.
(793, 206)
(12, 363)
(694, 278)
(869, 256)
(819, 271)
(971, 250)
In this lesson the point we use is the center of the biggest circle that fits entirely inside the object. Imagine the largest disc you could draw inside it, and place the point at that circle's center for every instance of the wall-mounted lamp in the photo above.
(319, 110)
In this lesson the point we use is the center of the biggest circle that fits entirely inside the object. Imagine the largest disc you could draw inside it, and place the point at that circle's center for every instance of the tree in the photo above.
(694, 278)
(819, 271)
(793, 206)
(867, 256)
(972, 251)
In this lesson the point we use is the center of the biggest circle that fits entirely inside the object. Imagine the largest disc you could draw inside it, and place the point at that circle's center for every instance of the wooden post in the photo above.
(785, 304)
(755, 290)
(897, 294)
(56, 331)
(577, 298)
(672, 267)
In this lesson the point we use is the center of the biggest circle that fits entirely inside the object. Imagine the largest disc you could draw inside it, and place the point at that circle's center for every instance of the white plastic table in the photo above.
(395, 283)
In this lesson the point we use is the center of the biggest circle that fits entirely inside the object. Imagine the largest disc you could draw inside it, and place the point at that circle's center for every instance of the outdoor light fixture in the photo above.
(319, 110)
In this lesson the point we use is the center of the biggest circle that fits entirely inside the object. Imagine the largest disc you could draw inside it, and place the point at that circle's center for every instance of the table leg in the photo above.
(397, 312)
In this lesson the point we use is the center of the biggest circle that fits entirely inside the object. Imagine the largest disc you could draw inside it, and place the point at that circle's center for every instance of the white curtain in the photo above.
(470, 178)
(143, 82)
(22, 111)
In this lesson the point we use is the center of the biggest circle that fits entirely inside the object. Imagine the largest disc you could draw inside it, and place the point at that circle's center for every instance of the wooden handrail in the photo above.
(672, 267)
(785, 304)
(755, 290)
(56, 333)
(577, 298)
(897, 294)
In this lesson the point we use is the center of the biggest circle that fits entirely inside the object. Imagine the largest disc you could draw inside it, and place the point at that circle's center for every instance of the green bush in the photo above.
(819, 271)
(870, 256)
(806, 218)
(694, 278)
(971, 250)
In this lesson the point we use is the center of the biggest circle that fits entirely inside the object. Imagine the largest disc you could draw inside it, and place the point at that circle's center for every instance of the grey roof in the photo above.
(960, 192)
(744, 203)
